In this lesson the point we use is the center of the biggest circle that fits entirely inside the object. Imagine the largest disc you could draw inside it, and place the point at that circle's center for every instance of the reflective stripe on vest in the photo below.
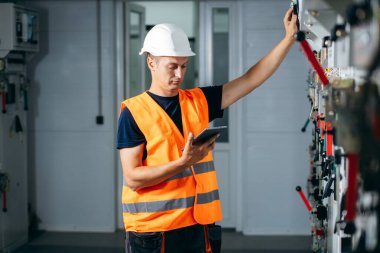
(198, 169)
(166, 205)
(208, 197)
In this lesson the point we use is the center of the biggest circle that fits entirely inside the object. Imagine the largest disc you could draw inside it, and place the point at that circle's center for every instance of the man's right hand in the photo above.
(194, 153)
(139, 176)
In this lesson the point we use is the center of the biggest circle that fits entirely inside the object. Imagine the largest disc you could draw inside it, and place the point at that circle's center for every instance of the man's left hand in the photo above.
(290, 24)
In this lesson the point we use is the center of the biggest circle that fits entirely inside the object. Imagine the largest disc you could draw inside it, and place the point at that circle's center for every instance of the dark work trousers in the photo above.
(190, 239)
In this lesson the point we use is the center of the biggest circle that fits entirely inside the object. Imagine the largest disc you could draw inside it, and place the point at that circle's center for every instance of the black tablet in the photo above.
(208, 133)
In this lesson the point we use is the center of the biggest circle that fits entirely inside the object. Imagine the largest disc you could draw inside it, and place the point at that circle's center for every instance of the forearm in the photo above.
(138, 176)
(257, 74)
(144, 176)
(263, 69)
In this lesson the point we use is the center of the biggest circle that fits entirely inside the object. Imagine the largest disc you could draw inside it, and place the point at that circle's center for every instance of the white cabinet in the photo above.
(18, 29)
(13, 160)
(18, 41)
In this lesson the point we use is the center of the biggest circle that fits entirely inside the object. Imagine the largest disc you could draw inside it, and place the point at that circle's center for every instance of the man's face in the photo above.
(167, 72)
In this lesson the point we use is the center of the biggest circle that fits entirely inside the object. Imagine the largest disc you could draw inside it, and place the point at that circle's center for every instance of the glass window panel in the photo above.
(190, 77)
(220, 58)
(135, 71)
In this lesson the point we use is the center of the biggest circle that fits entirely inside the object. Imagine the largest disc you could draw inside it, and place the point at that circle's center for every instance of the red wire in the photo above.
(352, 185)
(329, 139)
(322, 126)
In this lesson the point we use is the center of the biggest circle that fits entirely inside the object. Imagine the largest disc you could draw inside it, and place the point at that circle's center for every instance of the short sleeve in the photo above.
(128, 133)
(213, 96)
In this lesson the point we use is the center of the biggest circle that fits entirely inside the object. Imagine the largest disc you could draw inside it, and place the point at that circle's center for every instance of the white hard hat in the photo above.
(167, 40)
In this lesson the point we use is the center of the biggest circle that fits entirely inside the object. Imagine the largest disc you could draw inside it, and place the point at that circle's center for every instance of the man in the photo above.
(170, 195)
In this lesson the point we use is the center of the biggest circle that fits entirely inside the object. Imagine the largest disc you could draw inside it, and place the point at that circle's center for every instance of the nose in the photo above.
(178, 72)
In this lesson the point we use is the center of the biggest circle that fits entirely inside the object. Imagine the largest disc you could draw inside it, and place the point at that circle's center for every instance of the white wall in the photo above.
(72, 169)
(72, 159)
(180, 13)
(274, 149)
(14, 222)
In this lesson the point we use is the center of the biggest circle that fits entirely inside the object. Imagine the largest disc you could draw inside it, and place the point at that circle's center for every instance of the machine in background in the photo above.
(19, 42)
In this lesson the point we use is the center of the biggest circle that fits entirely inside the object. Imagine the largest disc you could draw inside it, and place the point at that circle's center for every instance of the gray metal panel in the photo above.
(13, 160)
(274, 149)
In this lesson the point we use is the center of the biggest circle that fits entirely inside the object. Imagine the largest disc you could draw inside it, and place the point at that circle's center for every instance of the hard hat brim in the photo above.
(175, 54)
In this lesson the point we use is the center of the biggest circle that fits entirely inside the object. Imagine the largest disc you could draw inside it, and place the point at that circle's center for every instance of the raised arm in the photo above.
(264, 68)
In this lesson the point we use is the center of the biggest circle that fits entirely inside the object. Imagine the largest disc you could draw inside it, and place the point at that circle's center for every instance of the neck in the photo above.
(163, 93)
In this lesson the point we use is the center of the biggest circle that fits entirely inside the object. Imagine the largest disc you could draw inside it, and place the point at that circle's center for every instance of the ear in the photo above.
(151, 63)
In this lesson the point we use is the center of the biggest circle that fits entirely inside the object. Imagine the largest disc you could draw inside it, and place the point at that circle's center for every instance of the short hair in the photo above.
(155, 58)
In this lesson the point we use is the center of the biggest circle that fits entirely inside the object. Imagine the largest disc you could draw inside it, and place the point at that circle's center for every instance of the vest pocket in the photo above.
(151, 241)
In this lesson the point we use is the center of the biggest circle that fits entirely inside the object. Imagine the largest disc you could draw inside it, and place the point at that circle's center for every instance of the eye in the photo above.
(184, 66)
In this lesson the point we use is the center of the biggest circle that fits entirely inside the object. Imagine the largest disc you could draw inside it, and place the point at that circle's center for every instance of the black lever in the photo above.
(327, 191)
(303, 129)
(294, 5)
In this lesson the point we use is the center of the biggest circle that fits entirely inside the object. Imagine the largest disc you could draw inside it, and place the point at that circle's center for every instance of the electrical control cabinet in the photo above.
(18, 29)
(13, 180)
(341, 40)
(19, 40)
(13, 153)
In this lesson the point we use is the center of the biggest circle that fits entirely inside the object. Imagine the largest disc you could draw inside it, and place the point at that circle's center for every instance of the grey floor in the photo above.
(53, 242)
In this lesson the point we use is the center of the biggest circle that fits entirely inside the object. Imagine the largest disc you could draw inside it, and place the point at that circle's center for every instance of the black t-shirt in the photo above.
(129, 135)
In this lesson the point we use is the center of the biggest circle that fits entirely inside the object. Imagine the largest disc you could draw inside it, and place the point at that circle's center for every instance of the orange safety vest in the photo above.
(188, 198)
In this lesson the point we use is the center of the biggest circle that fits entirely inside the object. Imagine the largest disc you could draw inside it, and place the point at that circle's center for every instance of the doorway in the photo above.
(215, 43)
(219, 63)
(133, 20)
